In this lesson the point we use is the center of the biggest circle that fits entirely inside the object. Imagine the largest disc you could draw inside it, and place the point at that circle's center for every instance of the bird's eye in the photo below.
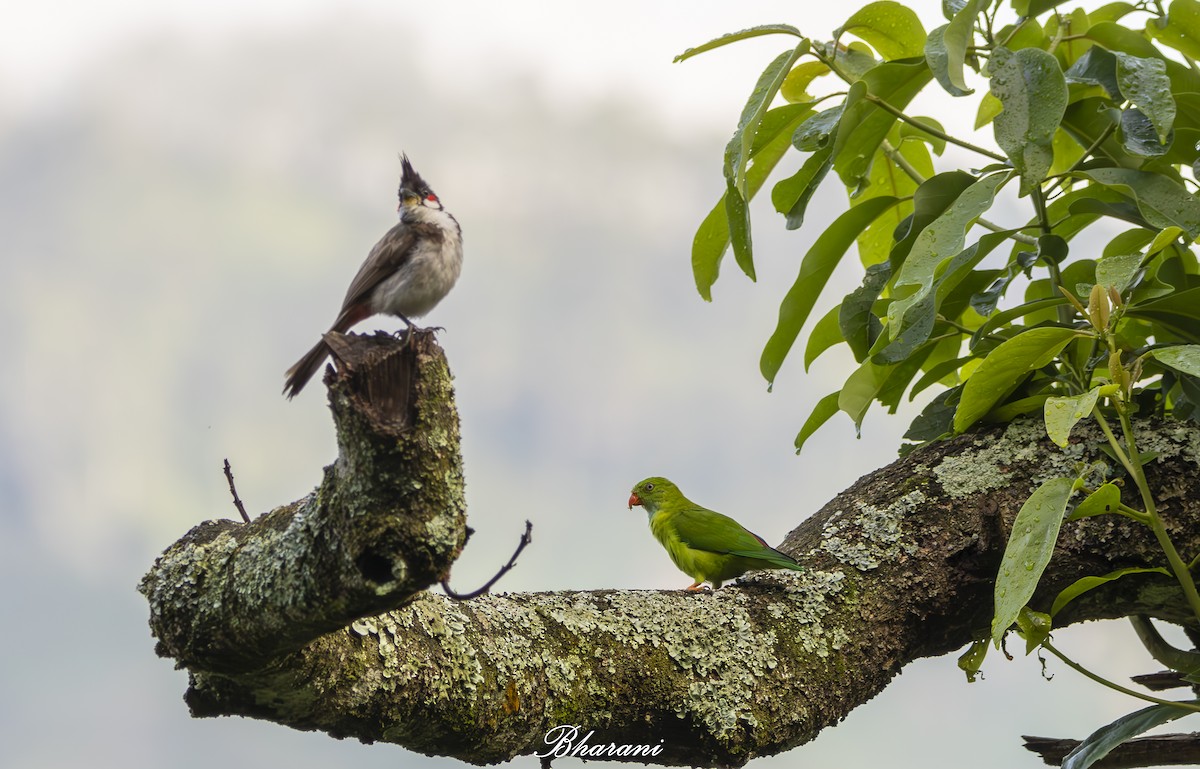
(649, 487)
(431, 198)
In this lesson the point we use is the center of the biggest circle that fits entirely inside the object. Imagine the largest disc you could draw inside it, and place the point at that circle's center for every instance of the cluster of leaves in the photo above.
(1097, 124)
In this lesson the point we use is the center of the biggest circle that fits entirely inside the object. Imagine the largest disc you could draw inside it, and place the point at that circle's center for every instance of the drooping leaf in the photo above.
(1144, 82)
(825, 334)
(816, 267)
(1181, 29)
(936, 419)
(1139, 137)
(1004, 368)
(860, 389)
(1161, 200)
(1030, 545)
(1034, 627)
(857, 323)
(955, 41)
(712, 236)
(1062, 413)
(825, 408)
(792, 195)
(891, 28)
(937, 56)
(737, 152)
(795, 85)
(1181, 357)
(1118, 37)
(1096, 66)
(1102, 501)
(1099, 743)
(1031, 86)
(733, 37)
(1081, 586)
(937, 243)
(1118, 270)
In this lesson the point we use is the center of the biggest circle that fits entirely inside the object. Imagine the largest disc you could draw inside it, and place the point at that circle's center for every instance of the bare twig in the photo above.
(233, 490)
(1158, 750)
(526, 538)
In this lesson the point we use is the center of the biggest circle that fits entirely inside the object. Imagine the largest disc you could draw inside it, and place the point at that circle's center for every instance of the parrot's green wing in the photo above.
(703, 529)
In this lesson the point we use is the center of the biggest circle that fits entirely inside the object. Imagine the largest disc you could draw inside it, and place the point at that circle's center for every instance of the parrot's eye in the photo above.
(649, 487)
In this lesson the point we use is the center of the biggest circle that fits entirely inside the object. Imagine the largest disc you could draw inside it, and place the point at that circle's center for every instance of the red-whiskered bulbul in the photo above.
(406, 274)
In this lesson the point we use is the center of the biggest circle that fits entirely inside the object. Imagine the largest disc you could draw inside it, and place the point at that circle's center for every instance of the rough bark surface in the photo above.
(900, 566)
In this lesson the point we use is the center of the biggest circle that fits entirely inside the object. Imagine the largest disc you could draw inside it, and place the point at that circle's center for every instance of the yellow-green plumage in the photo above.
(705, 545)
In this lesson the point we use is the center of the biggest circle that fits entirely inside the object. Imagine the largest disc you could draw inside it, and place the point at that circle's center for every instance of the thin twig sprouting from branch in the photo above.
(233, 490)
(526, 538)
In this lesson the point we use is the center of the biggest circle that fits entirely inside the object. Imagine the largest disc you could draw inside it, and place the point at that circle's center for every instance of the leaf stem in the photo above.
(1178, 567)
(1113, 685)
(932, 131)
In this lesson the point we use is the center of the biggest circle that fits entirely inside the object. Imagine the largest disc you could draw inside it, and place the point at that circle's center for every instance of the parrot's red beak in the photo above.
(634, 499)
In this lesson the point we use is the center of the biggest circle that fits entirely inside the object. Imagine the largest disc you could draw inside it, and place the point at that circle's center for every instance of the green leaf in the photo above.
(864, 125)
(1098, 744)
(937, 56)
(1111, 12)
(737, 213)
(1117, 37)
(1031, 86)
(1034, 627)
(1029, 548)
(816, 267)
(972, 659)
(936, 143)
(857, 323)
(1118, 270)
(1003, 317)
(737, 152)
(955, 40)
(891, 28)
(712, 236)
(825, 334)
(886, 178)
(1081, 586)
(791, 195)
(1181, 30)
(1004, 368)
(860, 389)
(1102, 501)
(1145, 83)
(936, 419)
(1035, 7)
(937, 243)
(1096, 66)
(1181, 357)
(1178, 311)
(1160, 199)
(795, 85)
(825, 408)
(1063, 412)
(733, 37)
(1140, 138)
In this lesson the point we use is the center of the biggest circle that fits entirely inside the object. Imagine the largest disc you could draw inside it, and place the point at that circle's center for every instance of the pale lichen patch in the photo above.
(873, 535)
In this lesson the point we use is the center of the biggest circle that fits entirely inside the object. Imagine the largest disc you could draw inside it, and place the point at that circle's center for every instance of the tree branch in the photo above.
(899, 567)
(386, 523)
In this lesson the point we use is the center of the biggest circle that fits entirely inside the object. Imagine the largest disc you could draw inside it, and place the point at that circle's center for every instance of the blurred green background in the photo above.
(186, 190)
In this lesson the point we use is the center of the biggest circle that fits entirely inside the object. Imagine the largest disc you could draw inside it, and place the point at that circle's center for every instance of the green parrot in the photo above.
(705, 545)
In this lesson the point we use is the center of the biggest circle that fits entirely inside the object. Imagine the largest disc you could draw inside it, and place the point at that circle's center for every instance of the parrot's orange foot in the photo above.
(695, 587)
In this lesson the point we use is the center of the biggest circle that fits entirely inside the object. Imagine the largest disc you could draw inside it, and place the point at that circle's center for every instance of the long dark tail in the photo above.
(298, 375)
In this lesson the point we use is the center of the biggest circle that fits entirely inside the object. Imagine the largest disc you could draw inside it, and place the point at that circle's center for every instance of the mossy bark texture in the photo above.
(314, 615)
